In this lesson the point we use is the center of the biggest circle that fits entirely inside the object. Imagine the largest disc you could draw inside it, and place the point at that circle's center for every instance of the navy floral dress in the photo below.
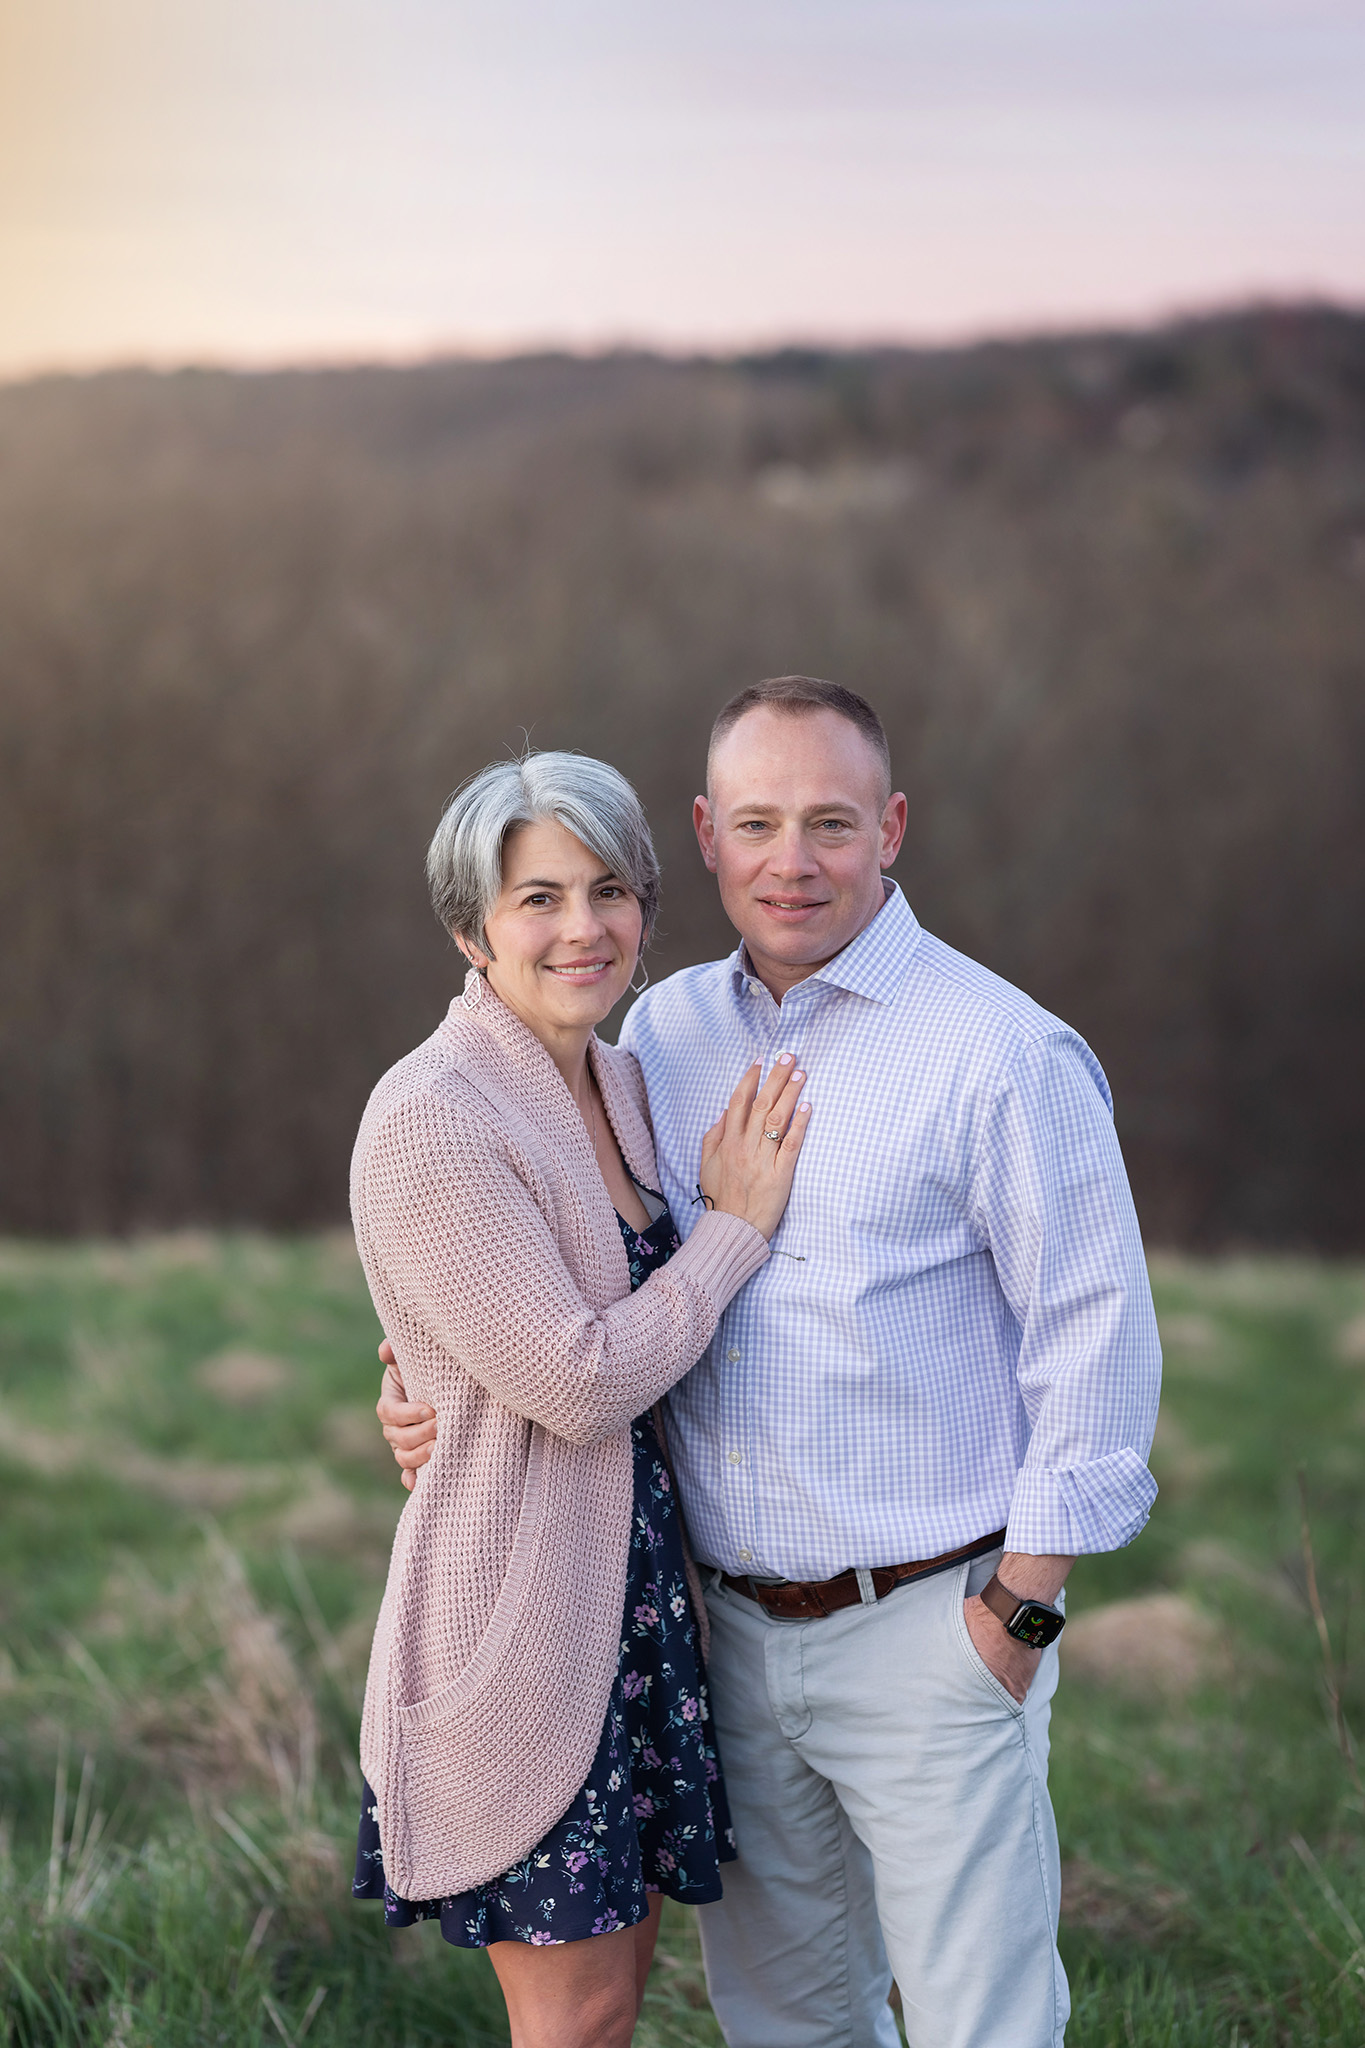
(651, 1815)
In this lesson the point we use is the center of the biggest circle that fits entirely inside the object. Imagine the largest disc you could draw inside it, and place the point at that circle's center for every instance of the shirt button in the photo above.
(746, 1557)
(733, 1355)
(736, 1457)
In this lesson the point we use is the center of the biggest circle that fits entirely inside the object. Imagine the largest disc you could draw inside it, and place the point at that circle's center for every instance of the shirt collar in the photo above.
(872, 965)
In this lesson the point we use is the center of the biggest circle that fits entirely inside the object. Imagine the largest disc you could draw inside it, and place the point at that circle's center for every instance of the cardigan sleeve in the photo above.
(470, 1256)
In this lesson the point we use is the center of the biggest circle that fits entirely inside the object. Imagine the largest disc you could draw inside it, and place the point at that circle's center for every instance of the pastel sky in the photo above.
(273, 180)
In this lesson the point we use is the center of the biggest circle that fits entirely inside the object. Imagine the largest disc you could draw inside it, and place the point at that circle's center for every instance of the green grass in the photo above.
(197, 1509)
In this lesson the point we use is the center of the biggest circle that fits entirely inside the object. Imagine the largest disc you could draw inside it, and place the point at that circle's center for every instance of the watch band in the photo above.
(1035, 1622)
(1003, 1604)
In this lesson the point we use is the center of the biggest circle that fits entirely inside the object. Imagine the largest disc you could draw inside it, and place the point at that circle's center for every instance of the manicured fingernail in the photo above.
(798, 1076)
(803, 1109)
(784, 1059)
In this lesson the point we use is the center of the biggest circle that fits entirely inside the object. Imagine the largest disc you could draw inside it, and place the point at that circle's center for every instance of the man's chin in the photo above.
(793, 945)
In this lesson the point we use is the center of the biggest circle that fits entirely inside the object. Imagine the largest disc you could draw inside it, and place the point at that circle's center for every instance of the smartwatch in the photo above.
(1028, 1621)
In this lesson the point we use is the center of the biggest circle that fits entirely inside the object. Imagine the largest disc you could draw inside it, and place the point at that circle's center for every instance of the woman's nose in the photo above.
(583, 920)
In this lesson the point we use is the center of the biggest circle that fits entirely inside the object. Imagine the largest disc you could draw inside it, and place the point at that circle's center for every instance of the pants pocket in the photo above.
(969, 1655)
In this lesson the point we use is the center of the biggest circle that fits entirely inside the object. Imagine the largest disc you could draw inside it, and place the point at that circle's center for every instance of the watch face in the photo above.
(1035, 1624)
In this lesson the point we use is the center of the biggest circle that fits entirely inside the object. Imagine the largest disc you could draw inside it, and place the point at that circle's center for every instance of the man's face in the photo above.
(797, 828)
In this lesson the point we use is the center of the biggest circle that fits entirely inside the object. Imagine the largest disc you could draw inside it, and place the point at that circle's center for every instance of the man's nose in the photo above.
(792, 855)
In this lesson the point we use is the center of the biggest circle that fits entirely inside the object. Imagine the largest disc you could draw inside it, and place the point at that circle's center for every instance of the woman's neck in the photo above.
(572, 1062)
(567, 1048)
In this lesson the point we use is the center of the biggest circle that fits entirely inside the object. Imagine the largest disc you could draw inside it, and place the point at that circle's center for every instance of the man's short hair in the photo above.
(798, 696)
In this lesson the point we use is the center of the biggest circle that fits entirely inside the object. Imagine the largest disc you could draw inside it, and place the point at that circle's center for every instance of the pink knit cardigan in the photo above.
(496, 1265)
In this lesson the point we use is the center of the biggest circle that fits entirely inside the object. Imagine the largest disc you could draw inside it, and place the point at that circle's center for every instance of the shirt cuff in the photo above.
(1074, 1510)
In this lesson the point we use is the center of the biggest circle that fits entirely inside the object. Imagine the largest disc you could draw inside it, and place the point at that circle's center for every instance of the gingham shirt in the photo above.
(955, 1333)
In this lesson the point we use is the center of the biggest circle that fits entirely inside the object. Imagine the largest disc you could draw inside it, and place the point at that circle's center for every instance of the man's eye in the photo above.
(753, 825)
(834, 825)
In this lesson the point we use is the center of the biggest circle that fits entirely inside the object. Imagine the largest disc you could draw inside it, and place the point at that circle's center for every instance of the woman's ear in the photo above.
(477, 960)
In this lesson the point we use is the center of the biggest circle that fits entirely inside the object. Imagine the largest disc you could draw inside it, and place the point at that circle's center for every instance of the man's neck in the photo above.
(778, 978)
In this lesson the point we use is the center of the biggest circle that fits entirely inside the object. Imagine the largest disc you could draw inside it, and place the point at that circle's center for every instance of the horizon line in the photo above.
(530, 347)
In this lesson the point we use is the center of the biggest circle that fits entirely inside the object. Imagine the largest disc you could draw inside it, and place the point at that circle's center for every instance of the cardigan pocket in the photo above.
(442, 1705)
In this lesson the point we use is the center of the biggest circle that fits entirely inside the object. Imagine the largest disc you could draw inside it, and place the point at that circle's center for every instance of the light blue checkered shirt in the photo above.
(955, 1333)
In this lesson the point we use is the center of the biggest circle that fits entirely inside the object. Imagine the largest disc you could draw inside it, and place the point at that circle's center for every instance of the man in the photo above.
(938, 1391)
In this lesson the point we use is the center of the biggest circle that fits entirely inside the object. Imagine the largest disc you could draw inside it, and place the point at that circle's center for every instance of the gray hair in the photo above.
(587, 797)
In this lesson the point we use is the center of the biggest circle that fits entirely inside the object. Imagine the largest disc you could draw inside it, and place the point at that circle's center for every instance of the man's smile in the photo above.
(793, 906)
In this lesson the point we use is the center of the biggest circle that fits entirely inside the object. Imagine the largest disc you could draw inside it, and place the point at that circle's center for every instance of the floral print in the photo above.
(652, 1814)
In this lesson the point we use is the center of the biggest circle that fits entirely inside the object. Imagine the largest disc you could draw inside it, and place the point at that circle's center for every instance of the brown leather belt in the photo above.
(807, 1599)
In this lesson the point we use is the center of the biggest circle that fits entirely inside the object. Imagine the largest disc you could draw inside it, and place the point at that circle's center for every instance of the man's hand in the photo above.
(1012, 1663)
(1032, 1578)
(409, 1426)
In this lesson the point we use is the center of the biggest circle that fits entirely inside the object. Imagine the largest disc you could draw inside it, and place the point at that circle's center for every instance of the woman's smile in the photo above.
(580, 970)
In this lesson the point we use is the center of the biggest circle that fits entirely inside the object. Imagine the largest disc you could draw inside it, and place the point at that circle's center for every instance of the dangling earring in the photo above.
(476, 981)
(640, 963)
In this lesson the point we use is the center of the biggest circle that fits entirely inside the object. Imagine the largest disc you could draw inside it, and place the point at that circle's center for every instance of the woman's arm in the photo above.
(472, 1261)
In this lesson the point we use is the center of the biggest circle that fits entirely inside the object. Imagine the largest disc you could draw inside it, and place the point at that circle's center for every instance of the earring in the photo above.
(644, 984)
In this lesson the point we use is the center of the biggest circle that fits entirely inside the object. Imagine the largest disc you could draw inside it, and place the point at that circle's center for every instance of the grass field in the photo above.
(196, 1513)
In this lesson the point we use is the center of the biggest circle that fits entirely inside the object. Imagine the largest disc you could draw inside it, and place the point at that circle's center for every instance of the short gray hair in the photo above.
(589, 798)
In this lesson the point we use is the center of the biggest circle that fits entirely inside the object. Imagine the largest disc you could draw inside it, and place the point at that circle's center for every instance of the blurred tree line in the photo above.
(1108, 593)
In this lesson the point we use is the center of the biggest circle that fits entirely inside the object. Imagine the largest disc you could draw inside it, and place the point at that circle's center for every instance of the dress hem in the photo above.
(697, 1895)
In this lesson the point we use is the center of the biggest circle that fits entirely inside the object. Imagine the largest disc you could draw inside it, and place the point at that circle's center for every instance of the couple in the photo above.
(927, 1381)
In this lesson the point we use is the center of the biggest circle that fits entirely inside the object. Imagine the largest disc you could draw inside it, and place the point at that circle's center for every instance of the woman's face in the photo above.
(565, 933)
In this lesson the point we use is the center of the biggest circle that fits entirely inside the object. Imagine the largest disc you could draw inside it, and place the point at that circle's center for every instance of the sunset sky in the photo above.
(274, 180)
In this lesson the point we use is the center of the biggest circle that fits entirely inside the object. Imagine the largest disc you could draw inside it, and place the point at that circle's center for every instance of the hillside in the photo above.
(1108, 592)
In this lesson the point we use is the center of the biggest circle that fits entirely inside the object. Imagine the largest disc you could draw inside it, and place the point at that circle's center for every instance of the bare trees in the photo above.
(1109, 594)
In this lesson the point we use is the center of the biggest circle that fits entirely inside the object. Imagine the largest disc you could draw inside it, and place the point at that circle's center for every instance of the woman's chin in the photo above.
(587, 1004)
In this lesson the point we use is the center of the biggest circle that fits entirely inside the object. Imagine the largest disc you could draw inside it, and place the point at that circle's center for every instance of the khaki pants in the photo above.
(891, 1808)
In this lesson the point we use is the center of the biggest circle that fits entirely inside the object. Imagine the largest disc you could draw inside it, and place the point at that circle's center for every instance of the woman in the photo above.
(538, 1767)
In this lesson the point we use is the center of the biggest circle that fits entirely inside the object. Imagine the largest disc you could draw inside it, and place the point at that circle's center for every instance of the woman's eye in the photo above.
(611, 894)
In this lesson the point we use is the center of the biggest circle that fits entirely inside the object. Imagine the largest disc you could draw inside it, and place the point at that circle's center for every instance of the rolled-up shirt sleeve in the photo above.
(1052, 1203)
